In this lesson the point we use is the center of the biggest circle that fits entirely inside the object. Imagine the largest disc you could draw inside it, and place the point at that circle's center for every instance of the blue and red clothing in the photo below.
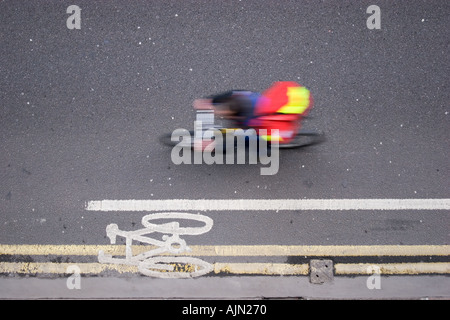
(281, 107)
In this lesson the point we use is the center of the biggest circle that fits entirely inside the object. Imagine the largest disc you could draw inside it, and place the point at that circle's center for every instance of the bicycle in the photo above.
(188, 139)
(150, 263)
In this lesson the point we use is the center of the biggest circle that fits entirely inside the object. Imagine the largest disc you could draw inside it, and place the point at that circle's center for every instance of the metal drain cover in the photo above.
(321, 271)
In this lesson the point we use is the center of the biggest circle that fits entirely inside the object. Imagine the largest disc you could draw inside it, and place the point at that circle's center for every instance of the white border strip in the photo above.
(264, 204)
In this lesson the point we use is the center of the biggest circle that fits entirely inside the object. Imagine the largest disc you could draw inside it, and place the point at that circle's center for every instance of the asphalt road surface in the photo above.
(81, 111)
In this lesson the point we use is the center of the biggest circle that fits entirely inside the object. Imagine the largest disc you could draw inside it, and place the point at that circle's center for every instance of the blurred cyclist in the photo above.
(280, 107)
(236, 105)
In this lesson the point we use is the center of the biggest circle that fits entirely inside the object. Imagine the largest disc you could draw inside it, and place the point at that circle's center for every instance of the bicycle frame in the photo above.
(205, 120)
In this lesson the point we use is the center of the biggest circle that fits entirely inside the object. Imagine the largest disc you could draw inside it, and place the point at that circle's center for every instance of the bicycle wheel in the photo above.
(304, 138)
(174, 267)
(174, 226)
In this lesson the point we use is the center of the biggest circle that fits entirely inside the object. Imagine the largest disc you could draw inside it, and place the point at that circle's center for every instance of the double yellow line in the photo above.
(235, 251)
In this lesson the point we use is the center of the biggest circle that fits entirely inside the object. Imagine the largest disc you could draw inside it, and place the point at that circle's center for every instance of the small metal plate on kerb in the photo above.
(321, 271)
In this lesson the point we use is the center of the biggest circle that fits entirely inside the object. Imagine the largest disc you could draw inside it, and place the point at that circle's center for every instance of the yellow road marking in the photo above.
(95, 268)
(60, 268)
(394, 268)
(234, 268)
(244, 250)
(262, 268)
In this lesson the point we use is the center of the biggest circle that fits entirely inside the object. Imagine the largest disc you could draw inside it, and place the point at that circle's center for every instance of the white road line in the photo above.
(264, 204)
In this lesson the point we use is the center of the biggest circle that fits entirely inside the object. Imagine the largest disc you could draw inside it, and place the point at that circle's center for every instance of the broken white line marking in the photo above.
(272, 204)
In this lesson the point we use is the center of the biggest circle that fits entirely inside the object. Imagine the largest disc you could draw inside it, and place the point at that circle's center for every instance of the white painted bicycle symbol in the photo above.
(149, 263)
